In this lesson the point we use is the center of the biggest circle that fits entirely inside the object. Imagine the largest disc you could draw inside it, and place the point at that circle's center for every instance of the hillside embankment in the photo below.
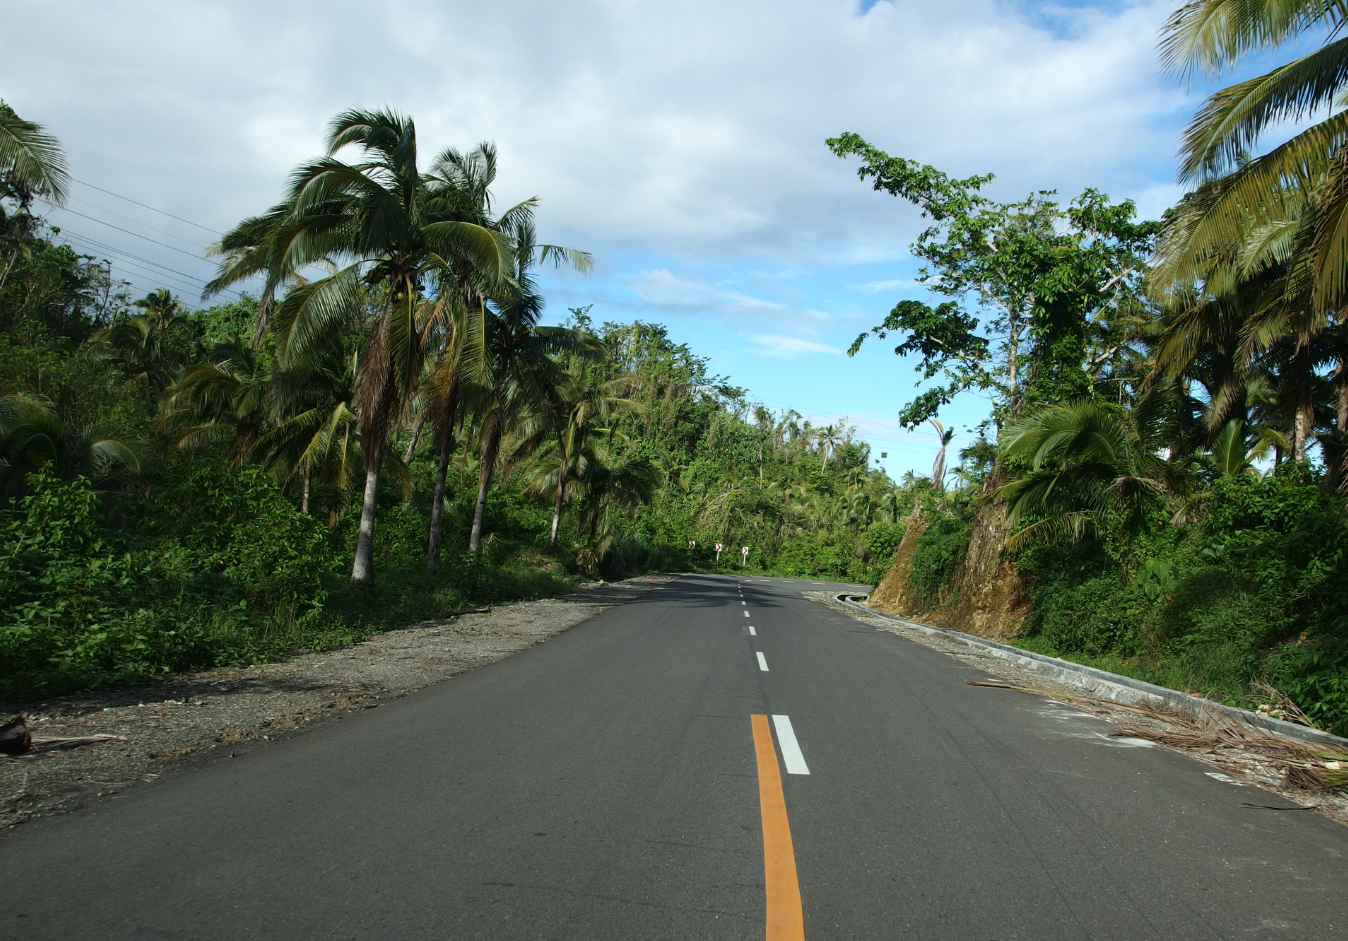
(989, 597)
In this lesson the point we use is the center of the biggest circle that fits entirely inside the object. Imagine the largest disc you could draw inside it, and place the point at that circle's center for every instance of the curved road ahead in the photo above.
(642, 777)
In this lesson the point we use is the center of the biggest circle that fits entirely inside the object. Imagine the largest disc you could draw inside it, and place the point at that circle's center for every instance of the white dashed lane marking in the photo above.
(791, 753)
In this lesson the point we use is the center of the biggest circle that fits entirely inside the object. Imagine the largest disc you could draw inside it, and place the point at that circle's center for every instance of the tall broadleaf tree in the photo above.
(1031, 290)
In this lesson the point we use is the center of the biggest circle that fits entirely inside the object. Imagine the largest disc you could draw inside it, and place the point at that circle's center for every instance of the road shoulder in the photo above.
(192, 718)
(1242, 767)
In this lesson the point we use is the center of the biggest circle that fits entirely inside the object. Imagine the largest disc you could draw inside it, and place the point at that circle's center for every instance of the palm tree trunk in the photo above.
(438, 502)
(557, 509)
(1341, 385)
(304, 500)
(363, 566)
(483, 482)
(1305, 416)
(416, 436)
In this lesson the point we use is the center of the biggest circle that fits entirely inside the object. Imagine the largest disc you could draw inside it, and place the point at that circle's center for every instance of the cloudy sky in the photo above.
(681, 143)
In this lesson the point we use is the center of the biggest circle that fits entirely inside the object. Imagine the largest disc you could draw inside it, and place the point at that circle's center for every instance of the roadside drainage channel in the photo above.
(1103, 685)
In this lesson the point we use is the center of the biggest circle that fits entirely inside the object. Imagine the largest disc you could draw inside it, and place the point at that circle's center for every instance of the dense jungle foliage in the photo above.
(186, 488)
(1170, 402)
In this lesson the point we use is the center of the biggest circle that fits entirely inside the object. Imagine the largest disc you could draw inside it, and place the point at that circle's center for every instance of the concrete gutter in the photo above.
(1098, 684)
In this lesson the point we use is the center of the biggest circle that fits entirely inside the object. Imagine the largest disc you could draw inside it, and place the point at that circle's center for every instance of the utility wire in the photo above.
(125, 255)
(138, 222)
(144, 271)
(134, 234)
(140, 279)
(144, 206)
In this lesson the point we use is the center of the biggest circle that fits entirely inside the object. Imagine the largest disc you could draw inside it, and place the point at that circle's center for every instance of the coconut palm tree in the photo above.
(153, 344)
(1295, 195)
(829, 440)
(33, 438)
(31, 164)
(944, 435)
(376, 222)
(608, 487)
(221, 397)
(313, 425)
(519, 372)
(31, 161)
(1087, 462)
(460, 184)
(580, 415)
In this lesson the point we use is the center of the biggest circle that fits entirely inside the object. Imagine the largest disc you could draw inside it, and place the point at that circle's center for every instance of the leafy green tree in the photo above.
(1037, 275)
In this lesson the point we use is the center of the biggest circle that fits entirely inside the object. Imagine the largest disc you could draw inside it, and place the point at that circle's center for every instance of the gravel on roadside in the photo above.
(187, 718)
(1237, 766)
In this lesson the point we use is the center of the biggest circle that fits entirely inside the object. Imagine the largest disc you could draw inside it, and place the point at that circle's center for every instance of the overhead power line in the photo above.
(139, 222)
(144, 206)
(123, 253)
(146, 238)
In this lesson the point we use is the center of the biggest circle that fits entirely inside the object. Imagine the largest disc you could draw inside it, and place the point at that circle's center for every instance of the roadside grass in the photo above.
(167, 635)
(1220, 674)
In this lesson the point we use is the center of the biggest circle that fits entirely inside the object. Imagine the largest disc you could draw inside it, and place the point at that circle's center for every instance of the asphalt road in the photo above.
(610, 784)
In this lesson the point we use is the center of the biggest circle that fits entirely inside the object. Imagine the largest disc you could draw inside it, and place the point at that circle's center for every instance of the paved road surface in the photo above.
(611, 784)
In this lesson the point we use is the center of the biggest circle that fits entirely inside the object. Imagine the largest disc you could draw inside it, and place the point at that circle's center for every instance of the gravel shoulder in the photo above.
(170, 726)
(1237, 766)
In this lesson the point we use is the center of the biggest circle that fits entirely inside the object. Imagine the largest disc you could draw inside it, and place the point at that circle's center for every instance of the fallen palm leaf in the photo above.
(16, 742)
(1271, 807)
(1305, 766)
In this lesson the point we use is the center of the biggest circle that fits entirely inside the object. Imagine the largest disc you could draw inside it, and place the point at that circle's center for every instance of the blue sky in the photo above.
(681, 143)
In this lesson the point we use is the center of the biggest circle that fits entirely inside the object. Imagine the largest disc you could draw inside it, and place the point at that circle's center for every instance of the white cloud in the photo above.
(788, 347)
(875, 287)
(669, 290)
(692, 130)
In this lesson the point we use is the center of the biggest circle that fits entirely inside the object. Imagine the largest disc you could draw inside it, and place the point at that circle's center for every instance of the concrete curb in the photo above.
(1102, 685)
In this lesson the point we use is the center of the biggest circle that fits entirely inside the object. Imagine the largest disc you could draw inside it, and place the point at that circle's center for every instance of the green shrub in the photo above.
(1314, 673)
(937, 557)
(633, 554)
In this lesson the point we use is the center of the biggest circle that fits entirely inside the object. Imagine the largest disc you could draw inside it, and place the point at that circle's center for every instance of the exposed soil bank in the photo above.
(205, 715)
(989, 594)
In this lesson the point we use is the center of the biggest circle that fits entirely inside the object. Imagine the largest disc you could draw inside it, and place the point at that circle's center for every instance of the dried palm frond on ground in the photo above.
(17, 743)
(1305, 766)
(1241, 765)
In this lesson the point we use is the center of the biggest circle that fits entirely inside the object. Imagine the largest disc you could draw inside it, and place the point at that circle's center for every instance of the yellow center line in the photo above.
(785, 922)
